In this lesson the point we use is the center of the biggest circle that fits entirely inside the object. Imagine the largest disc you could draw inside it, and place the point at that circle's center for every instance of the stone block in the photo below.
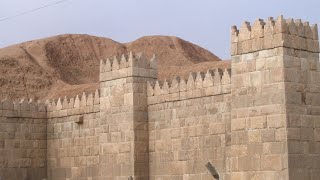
(271, 162)
(239, 137)
(307, 134)
(281, 134)
(254, 136)
(238, 124)
(276, 121)
(217, 128)
(268, 135)
(257, 122)
(249, 163)
(268, 42)
(275, 148)
(294, 133)
(317, 134)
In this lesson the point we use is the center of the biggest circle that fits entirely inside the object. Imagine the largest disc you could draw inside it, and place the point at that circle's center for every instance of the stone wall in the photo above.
(188, 125)
(302, 85)
(23, 144)
(73, 138)
(260, 123)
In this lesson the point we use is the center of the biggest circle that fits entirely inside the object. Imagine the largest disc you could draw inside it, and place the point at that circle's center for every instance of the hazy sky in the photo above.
(203, 22)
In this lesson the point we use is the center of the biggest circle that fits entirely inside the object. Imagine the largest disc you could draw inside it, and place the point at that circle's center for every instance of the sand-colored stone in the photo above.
(258, 120)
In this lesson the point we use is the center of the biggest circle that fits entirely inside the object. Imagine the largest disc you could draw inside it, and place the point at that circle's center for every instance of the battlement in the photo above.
(83, 104)
(128, 65)
(198, 84)
(274, 33)
(22, 108)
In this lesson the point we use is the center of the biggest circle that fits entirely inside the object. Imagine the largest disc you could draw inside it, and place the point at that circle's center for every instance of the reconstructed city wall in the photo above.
(23, 145)
(188, 125)
(259, 120)
(73, 138)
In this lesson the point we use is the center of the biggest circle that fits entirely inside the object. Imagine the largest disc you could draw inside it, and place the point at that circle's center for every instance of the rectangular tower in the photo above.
(275, 101)
(124, 138)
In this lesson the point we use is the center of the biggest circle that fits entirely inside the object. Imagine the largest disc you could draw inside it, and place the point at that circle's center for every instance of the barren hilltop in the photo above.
(66, 65)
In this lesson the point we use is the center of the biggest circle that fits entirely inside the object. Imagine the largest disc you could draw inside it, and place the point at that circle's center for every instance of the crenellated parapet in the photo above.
(132, 65)
(274, 33)
(22, 109)
(200, 84)
(78, 105)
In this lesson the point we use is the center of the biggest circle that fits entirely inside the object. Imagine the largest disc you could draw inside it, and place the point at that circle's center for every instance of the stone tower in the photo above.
(275, 101)
(123, 117)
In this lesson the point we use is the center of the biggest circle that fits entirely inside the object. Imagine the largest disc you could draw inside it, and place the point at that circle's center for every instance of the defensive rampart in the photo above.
(23, 140)
(259, 120)
(188, 125)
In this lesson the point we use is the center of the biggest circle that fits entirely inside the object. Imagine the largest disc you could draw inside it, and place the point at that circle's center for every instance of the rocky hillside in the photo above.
(69, 64)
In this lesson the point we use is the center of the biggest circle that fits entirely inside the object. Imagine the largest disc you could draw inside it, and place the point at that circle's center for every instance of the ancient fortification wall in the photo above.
(259, 120)
(73, 137)
(23, 135)
(188, 125)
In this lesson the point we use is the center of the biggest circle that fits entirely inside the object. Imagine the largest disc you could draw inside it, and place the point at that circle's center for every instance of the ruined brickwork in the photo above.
(259, 120)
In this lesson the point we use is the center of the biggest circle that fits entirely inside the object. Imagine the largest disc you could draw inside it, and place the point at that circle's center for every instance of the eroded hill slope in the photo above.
(66, 65)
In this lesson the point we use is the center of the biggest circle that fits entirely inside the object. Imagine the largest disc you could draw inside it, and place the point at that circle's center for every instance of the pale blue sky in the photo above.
(203, 22)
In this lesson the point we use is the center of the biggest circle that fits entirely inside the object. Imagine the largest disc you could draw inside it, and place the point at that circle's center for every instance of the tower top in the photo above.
(274, 33)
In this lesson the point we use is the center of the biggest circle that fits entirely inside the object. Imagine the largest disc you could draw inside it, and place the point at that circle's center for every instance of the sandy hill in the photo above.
(69, 64)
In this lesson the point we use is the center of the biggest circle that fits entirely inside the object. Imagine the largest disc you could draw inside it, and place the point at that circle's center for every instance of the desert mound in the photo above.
(66, 65)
